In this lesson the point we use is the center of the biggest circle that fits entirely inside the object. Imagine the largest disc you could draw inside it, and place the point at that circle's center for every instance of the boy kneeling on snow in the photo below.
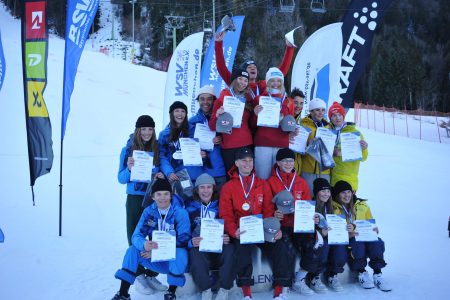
(163, 215)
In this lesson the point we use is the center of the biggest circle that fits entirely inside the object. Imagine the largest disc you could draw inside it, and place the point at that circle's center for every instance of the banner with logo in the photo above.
(183, 75)
(358, 28)
(2, 63)
(210, 75)
(79, 18)
(34, 62)
(316, 66)
(332, 60)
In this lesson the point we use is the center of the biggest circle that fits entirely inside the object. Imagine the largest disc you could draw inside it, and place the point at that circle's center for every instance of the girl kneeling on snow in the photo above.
(346, 203)
(165, 214)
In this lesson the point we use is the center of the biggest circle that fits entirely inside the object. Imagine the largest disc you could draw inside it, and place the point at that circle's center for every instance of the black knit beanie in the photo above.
(161, 185)
(239, 73)
(145, 121)
(177, 104)
(285, 153)
(320, 184)
(341, 186)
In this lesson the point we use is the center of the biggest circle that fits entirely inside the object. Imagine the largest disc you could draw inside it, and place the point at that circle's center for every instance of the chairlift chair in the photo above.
(287, 6)
(318, 6)
(207, 27)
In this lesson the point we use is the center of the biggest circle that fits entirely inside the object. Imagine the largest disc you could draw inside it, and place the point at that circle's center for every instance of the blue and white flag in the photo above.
(2, 63)
(79, 18)
(183, 75)
(331, 61)
(210, 75)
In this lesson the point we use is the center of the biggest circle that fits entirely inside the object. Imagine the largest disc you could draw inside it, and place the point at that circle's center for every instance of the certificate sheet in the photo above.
(211, 230)
(304, 216)
(270, 115)
(300, 140)
(205, 136)
(190, 150)
(167, 242)
(235, 108)
(338, 234)
(328, 137)
(254, 230)
(350, 146)
(365, 231)
(143, 165)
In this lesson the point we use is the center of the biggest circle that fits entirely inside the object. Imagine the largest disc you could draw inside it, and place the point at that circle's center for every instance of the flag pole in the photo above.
(60, 187)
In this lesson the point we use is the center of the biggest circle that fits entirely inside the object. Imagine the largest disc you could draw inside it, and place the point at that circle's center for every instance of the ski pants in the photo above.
(310, 258)
(174, 269)
(265, 158)
(360, 251)
(337, 258)
(278, 257)
(201, 263)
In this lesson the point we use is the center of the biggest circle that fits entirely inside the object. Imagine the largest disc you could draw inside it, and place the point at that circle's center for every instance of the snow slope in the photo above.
(405, 180)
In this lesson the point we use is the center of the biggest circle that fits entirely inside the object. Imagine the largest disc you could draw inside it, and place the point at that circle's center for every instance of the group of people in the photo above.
(249, 172)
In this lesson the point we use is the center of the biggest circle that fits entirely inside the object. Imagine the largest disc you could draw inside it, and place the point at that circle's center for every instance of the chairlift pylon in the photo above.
(318, 6)
(287, 6)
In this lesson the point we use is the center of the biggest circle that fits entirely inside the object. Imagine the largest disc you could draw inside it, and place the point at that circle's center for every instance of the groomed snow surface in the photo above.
(405, 180)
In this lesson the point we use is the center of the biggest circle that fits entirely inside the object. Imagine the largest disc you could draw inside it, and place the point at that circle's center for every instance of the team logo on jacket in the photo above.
(151, 223)
(298, 195)
(260, 198)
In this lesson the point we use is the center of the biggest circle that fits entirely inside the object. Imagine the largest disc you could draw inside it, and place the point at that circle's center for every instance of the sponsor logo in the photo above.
(36, 104)
(80, 18)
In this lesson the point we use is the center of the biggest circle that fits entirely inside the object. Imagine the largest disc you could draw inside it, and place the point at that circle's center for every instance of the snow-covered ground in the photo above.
(404, 179)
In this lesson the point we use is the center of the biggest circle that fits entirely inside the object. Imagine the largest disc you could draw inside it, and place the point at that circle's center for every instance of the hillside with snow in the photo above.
(404, 179)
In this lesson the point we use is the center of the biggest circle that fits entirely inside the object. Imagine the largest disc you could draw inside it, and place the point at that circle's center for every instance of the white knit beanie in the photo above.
(274, 73)
(316, 103)
(206, 89)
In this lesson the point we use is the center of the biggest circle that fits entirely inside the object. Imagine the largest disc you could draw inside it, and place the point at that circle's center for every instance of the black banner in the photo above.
(34, 62)
(358, 28)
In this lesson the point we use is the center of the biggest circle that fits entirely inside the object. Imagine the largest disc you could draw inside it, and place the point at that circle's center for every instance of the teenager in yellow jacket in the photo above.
(346, 203)
(347, 171)
(310, 169)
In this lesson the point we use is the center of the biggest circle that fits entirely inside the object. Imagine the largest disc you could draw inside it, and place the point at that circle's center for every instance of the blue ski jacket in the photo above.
(215, 156)
(194, 210)
(167, 149)
(177, 219)
(133, 187)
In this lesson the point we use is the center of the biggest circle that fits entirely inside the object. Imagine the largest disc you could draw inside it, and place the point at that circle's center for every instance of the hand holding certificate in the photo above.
(337, 230)
(211, 231)
(252, 228)
(143, 165)
(235, 108)
(350, 146)
(205, 136)
(270, 115)
(328, 137)
(300, 140)
(365, 230)
(304, 216)
(166, 241)
(190, 150)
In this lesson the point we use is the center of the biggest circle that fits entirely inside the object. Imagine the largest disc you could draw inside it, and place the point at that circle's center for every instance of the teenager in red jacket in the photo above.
(268, 140)
(244, 195)
(239, 137)
(257, 86)
(284, 177)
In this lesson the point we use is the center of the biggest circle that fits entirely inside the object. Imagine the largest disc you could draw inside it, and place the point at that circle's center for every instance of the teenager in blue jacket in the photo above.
(213, 162)
(144, 139)
(164, 215)
(205, 204)
(169, 143)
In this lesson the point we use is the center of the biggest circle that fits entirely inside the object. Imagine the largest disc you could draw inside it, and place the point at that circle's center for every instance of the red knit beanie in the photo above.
(336, 108)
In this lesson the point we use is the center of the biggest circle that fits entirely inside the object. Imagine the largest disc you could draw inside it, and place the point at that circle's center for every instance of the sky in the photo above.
(404, 179)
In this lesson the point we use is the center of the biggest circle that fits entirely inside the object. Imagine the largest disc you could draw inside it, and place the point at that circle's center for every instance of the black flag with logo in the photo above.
(358, 28)
(34, 62)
